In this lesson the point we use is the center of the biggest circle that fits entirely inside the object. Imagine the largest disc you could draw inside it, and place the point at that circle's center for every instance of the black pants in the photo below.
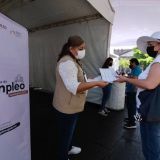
(66, 124)
(131, 106)
(106, 94)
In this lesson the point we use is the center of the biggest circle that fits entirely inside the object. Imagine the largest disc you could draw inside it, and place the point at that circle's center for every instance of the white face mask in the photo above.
(81, 54)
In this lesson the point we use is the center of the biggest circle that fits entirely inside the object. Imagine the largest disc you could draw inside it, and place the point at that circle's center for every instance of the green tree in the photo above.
(124, 63)
(143, 58)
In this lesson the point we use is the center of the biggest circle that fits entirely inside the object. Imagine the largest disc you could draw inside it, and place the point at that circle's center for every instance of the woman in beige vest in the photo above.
(70, 93)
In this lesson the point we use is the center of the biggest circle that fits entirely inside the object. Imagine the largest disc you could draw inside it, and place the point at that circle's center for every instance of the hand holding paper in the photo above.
(108, 74)
(98, 78)
(99, 81)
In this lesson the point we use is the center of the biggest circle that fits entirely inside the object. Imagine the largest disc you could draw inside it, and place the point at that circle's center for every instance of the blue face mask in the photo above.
(151, 52)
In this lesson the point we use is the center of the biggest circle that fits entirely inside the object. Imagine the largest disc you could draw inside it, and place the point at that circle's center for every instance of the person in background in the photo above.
(131, 94)
(106, 90)
(148, 92)
(70, 93)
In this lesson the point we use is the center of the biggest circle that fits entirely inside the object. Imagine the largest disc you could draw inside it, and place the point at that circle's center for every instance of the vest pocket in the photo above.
(78, 100)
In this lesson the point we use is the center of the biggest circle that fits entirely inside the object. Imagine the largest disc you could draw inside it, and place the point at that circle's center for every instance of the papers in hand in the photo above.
(98, 78)
(108, 74)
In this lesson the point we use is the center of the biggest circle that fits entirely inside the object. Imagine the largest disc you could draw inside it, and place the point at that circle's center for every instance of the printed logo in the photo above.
(14, 88)
(2, 26)
(6, 127)
(16, 33)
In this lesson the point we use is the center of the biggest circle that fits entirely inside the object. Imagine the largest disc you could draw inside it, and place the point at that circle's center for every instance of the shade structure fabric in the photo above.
(51, 23)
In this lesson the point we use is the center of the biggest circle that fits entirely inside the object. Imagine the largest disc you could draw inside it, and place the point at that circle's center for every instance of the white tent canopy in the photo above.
(50, 24)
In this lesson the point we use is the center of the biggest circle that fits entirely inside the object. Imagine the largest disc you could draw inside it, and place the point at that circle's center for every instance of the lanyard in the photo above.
(84, 74)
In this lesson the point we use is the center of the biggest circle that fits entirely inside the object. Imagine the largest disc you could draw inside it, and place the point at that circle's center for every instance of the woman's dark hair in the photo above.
(73, 41)
(134, 60)
(107, 63)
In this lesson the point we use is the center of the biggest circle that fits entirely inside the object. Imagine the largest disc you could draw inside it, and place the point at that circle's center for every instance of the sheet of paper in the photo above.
(98, 78)
(108, 74)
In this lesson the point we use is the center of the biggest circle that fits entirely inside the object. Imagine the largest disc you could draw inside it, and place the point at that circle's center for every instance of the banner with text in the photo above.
(14, 91)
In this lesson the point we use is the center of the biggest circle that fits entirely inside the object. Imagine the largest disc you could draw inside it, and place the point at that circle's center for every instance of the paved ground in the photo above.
(101, 138)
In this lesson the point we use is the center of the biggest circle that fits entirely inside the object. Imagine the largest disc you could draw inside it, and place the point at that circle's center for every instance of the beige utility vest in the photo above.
(63, 100)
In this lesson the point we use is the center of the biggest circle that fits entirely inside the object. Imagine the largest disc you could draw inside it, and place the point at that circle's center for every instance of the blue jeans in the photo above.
(106, 93)
(66, 124)
(131, 106)
(150, 135)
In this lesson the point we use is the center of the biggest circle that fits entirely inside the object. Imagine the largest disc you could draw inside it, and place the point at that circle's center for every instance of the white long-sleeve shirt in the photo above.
(68, 72)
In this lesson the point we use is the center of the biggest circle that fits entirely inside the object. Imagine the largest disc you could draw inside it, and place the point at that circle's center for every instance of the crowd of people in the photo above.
(142, 92)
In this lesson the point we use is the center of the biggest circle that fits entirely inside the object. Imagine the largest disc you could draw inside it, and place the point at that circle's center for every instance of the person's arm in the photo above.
(83, 86)
(68, 72)
(152, 81)
(131, 76)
